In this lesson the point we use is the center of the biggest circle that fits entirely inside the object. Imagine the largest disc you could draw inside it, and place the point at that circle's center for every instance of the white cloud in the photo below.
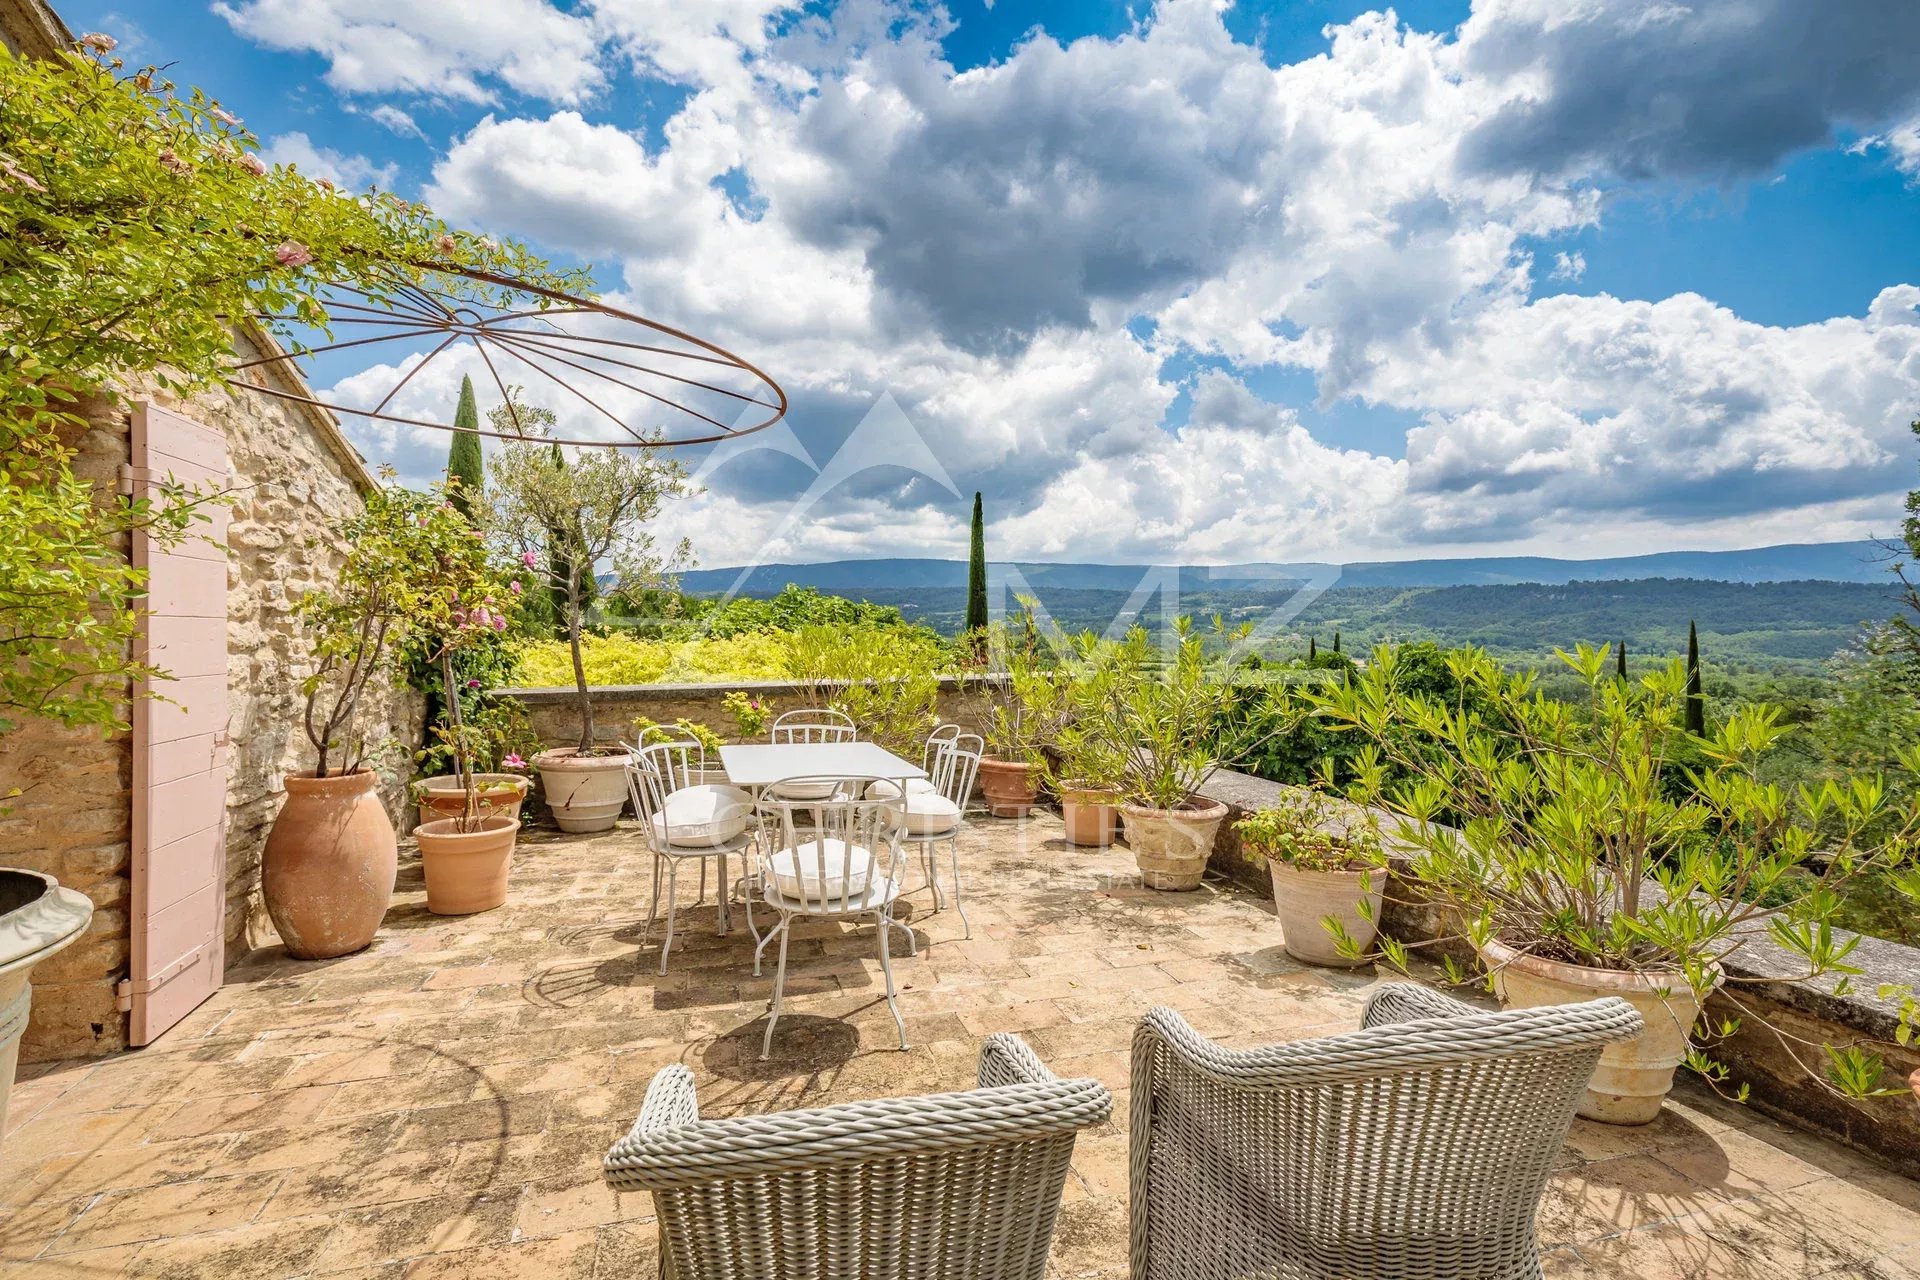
(1028, 256)
(435, 50)
(350, 171)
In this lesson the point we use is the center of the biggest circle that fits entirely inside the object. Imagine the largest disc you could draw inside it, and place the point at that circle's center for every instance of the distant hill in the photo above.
(1865, 562)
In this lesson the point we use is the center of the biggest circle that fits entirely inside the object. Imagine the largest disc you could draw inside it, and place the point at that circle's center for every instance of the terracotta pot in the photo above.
(1634, 1076)
(1304, 899)
(1091, 814)
(466, 870)
(1171, 846)
(442, 797)
(584, 793)
(1009, 787)
(328, 866)
(38, 917)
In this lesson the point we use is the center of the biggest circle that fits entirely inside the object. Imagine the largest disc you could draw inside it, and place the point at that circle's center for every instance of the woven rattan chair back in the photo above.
(1414, 1149)
(958, 1186)
(812, 724)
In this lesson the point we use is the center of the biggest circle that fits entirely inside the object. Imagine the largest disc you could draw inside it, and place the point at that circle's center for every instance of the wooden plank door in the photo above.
(179, 745)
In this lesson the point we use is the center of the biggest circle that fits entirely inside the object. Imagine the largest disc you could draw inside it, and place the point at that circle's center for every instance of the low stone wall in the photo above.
(1763, 995)
(615, 707)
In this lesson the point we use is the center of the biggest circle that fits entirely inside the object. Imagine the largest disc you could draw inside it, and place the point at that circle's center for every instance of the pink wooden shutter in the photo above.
(179, 746)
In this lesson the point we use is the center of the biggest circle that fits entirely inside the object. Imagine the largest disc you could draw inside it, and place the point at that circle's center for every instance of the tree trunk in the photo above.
(579, 666)
(462, 766)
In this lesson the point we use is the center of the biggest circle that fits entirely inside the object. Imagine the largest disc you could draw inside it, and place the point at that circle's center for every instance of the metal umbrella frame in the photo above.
(516, 320)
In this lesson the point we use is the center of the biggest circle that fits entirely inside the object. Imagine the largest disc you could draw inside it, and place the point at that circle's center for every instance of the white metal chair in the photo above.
(937, 741)
(684, 819)
(936, 813)
(809, 724)
(844, 863)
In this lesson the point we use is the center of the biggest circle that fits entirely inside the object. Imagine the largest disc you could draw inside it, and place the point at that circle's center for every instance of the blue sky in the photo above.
(1263, 281)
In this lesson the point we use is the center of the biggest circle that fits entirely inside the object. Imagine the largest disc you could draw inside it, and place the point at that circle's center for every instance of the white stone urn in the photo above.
(584, 793)
(37, 918)
(1634, 1076)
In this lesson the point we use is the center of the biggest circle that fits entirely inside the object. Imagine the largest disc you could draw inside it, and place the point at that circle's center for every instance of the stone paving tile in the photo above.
(437, 1106)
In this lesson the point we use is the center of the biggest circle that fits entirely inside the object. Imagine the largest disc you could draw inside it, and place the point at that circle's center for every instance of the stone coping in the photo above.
(546, 695)
(1832, 1009)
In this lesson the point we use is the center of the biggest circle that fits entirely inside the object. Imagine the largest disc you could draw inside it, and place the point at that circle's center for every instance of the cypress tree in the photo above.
(1620, 662)
(463, 455)
(1336, 642)
(977, 571)
(1313, 649)
(1696, 698)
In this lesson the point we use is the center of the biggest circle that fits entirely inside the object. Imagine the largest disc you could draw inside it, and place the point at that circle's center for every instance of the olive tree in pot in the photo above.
(564, 517)
(1328, 872)
(1084, 769)
(465, 858)
(1595, 848)
(1169, 720)
(327, 870)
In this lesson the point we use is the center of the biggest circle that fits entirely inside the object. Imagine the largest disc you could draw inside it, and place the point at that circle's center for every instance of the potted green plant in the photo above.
(1082, 768)
(1328, 871)
(1170, 724)
(1025, 706)
(1594, 848)
(565, 517)
(503, 740)
(327, 869)
(465, 857)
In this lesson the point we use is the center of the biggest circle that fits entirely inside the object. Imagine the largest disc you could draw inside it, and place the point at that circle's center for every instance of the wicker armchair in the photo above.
(945, 1187)
(1414, 1149)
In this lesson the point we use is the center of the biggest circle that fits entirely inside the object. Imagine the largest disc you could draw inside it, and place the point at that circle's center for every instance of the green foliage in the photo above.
(793, 608)
(647, 730)
(886, 680)
(565, 520)
(134, 224)
(376, 607)
(1303, 830)
(67, 596)
(1567, 839)
(622, 658)
(976, 622)
(751, 713)
(466, 475)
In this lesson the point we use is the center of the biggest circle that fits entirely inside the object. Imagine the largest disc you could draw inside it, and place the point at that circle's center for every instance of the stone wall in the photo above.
(615, 707)
(292, 480)
(72, 820)
(1783, 1019)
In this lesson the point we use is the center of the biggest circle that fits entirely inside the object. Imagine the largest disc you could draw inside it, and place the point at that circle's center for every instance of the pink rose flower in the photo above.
(444, 244)
(514, 586)
(499, 623)
(172, 163)
(526, 558)
(473, 684)
(291, 253)
(225, 117)
(98, 42)
(253, 164)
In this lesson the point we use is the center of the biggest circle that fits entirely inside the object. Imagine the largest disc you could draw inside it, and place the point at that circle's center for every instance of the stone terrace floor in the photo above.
(438, 1105)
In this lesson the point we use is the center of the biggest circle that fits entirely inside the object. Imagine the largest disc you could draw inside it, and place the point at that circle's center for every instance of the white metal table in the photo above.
(756, 765)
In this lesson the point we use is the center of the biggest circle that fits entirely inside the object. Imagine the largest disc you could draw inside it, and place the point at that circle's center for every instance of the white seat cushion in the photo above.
(804, 790)
(931, 814)
(885, 790)
(703, 816)
(830, 869)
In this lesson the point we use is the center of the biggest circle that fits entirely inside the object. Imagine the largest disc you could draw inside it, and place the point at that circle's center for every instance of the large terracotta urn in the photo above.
(1634, 1076)
(38, 917)
(328, 868)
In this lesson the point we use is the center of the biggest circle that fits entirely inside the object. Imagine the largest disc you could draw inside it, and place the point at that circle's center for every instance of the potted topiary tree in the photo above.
(564, 517)
(465, 858)
(1328, 872)
(327, 869)
(1596, 848)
